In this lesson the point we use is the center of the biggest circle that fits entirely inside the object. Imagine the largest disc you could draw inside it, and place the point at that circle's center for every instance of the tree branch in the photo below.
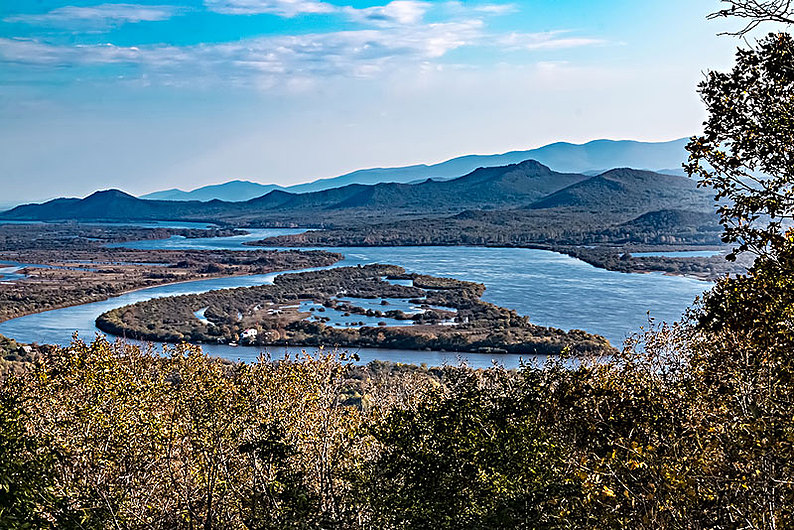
(757, 12)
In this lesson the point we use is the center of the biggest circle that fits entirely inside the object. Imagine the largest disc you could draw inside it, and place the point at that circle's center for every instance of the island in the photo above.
(372, 306)
(55, 265)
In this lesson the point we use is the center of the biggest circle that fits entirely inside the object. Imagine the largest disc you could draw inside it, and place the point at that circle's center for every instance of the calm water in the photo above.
(212, 243)
(552, 289)
(10, 273)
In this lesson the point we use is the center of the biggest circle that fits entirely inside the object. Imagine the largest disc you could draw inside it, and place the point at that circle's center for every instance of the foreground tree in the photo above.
(756, 12)
(741, 351)
(473, 454)
(746, 153)
(124, 438)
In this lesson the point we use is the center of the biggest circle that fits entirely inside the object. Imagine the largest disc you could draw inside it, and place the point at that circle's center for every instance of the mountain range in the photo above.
(528, 185)
(232, 191)
(589, 159)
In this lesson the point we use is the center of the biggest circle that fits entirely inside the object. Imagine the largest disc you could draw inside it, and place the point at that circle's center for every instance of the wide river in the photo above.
(552, 289)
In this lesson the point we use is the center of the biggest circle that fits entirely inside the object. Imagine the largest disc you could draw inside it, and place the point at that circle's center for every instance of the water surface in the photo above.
(552, 289)
(210, 243)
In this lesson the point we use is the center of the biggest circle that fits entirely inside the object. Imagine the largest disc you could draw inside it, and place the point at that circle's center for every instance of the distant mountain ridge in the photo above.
(528, 184)
(591, 158)
(232, 191)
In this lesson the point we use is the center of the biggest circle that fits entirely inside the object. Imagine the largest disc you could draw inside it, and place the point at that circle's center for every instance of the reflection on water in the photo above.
(339, 319)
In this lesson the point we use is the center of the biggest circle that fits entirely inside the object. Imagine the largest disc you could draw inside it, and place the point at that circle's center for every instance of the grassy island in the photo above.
(373, 306)
(54, 265)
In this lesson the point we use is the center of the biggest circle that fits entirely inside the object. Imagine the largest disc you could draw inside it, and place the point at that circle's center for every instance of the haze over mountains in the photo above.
(527, 185)
(234, 190)
(589, 159)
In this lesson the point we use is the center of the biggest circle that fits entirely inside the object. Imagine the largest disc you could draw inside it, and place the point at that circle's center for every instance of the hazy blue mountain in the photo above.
(528, 183)
(592, 158)
(561, 156)
(232, 191)
(679, 172)
(116, 205)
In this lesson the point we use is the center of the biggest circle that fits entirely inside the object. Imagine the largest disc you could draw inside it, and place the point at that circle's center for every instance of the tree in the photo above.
(746, 153)
(27, 498)
(740, 352)
(757, 12)
(473, 454)
(126, 438)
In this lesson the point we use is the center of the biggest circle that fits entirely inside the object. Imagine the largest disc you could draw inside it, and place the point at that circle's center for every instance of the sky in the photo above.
(157, 94)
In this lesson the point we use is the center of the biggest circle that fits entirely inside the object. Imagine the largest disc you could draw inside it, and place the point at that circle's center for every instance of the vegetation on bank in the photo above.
(579, 234)
(525, 227)
(76, 236)
(65, 264)
(622, 260)
(94, 275)
(14, 356)
(268, 315)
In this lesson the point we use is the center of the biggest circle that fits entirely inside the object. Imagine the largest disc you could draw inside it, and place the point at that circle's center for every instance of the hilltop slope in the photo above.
(624, 187)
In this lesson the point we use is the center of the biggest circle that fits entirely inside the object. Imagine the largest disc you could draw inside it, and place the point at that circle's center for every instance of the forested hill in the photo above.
(527, 184)
(618, 187)
(511, 185)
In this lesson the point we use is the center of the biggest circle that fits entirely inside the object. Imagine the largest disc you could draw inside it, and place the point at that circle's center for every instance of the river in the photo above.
(552, 289)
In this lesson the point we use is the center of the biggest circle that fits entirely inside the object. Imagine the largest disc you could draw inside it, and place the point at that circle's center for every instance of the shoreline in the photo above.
(128, 291)
(698, 277)
(704, 277)
(96, 299)
(488, 329)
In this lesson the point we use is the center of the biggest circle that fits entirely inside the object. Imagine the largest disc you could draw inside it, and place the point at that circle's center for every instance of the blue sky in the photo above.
(146, 95)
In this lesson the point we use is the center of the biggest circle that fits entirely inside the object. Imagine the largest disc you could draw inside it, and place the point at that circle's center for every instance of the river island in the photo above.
(372, 306)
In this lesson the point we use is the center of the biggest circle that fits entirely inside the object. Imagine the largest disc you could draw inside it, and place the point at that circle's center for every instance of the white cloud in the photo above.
(395, 37)
(284, 61)
(404, 12)
(396, 12)
(549, 40)
(496, 9)
(457, 7)
(284, 8)
(264, 62)
(104, 15)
